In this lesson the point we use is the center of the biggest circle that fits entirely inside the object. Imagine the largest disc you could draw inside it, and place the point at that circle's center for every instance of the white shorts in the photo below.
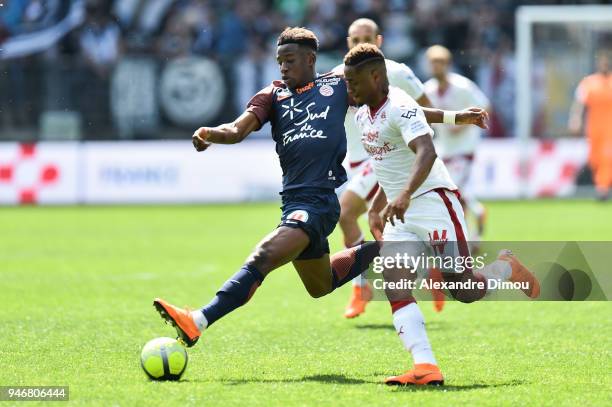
(363, 180)
(432, 218)
(460, 168)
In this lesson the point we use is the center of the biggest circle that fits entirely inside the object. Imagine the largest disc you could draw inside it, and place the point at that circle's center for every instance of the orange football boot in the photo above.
(359, 299)
(437, 295)
(180, 319)
(520, 273)
(422, 374)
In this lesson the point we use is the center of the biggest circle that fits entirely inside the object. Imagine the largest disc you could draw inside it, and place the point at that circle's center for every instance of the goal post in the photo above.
(555, 49)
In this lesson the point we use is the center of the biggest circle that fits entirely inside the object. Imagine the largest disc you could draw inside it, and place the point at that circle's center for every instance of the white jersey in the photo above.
(399, 75)
(460, 94)
(385, 137)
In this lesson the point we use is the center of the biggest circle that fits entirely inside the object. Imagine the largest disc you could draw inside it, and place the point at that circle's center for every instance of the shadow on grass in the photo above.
(452, 387)
(325, 379)
(344, 380)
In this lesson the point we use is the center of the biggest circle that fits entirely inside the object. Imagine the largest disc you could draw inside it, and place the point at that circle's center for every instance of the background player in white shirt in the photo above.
(456, 145)
(362, 183)
(418, 200)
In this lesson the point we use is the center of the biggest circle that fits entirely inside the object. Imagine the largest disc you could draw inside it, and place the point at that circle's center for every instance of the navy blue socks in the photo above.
(350, 263)
(234, 293)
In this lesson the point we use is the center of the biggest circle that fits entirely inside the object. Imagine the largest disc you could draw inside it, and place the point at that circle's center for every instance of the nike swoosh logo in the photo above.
(419, 377)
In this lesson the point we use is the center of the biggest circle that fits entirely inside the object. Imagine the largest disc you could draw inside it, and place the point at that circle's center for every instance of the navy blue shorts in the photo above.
(315, 211)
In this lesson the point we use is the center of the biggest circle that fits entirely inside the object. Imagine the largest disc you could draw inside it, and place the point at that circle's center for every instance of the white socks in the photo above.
(497, 270)
(410, 327)
(199, 319)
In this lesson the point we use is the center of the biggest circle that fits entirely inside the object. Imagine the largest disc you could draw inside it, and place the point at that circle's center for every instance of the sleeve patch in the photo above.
(409, 114)
(418, 127)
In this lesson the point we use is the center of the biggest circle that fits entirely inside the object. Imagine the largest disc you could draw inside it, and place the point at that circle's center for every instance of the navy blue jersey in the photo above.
(308, 128)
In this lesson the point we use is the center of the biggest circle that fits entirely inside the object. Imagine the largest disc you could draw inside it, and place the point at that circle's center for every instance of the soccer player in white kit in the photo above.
(456, 145)
(362, 183)
(417, 201)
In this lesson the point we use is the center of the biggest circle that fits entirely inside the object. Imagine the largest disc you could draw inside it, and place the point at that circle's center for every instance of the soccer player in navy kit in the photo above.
(307, 115)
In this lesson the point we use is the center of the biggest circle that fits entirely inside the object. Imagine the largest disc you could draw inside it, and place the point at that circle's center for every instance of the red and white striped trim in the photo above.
(464, 250)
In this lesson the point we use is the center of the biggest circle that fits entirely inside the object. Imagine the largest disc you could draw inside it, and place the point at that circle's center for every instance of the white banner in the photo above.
(173, 172)
(139, 172)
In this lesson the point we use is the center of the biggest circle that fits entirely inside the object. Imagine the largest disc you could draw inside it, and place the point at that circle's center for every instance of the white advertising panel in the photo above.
(173, 172)
(141, 172)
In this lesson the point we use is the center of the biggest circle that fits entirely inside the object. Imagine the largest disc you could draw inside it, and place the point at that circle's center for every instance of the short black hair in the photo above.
(300, 36)
(363, 54)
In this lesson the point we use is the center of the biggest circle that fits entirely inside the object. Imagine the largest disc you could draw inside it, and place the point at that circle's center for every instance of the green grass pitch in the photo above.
(77, 286)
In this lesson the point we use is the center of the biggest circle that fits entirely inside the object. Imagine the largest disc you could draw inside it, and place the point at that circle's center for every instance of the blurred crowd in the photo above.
(240, 35)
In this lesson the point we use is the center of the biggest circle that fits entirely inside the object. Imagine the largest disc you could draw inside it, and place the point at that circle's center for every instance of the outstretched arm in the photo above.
(228, 133)
(472, 115)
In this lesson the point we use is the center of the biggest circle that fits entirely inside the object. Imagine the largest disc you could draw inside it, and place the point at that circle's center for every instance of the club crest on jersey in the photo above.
(370, 136)
(326, 90)
(299, 215)
(438, 240)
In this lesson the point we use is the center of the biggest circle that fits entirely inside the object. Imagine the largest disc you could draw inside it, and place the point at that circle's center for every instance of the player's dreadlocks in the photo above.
(298, 35)
(363, 54)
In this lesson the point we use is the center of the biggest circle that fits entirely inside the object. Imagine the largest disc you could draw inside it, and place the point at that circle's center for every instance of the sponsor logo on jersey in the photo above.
(299, 215)
(305, 88)
(334, 80)
(292, 108)
(326, 90)
(378, 152)
(303, 128)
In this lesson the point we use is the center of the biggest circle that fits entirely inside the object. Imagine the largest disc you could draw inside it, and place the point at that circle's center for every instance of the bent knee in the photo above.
(260, 259)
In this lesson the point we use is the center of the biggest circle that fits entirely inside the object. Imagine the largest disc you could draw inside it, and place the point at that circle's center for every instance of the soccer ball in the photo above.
(163, 359)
